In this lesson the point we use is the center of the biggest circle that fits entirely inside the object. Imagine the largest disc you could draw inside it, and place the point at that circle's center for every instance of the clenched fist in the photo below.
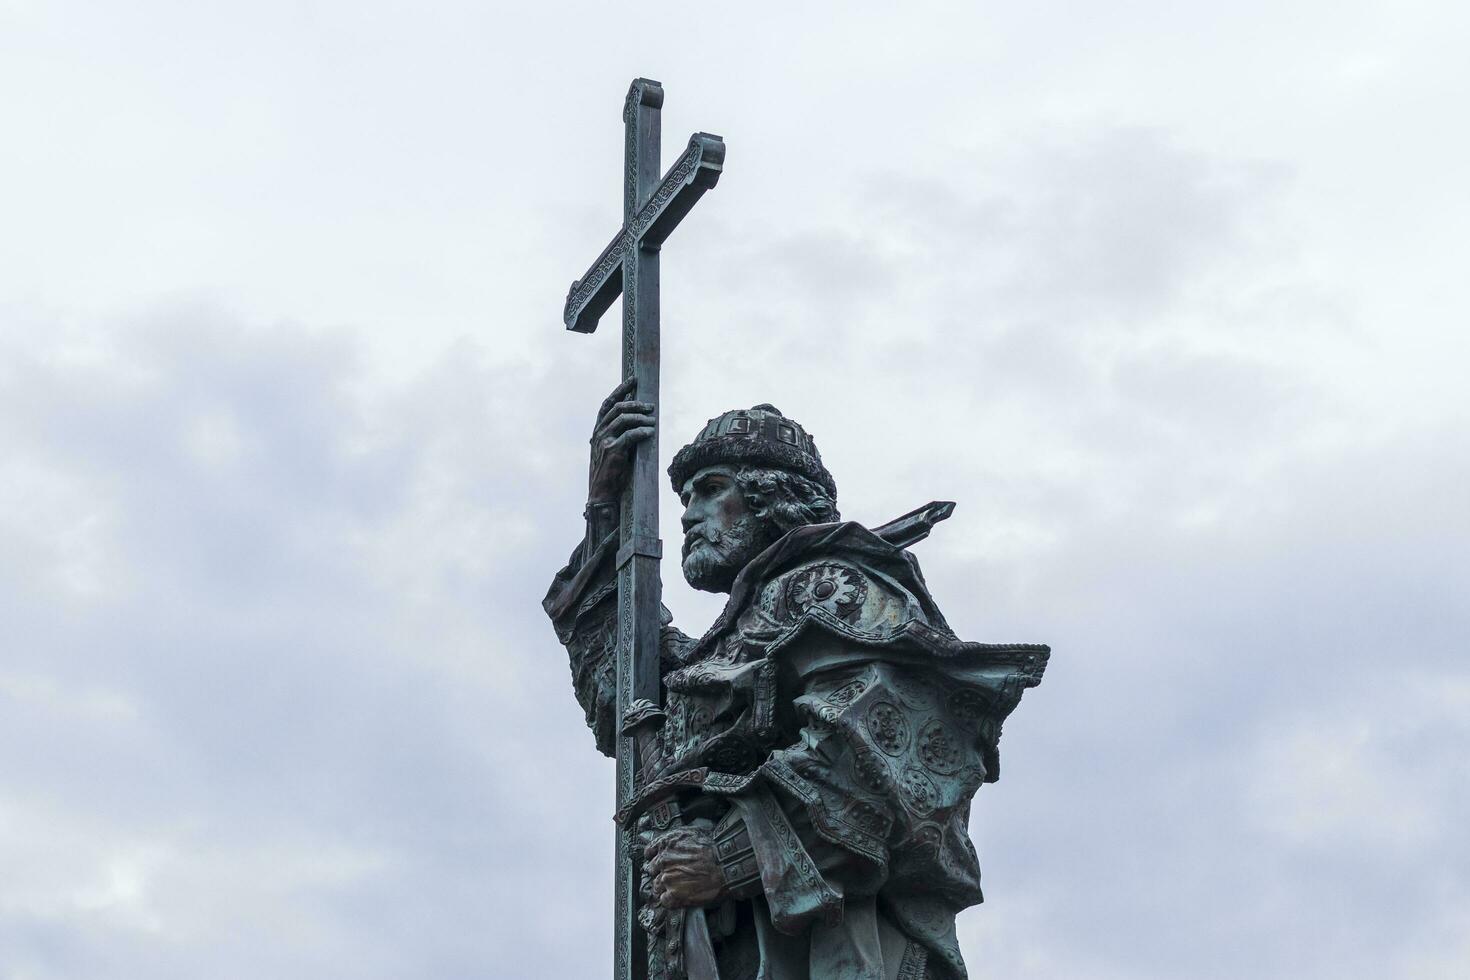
(682, 869)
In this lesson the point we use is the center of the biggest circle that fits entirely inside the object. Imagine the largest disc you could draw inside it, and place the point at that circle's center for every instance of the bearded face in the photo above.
(713, 556)
(721, 533)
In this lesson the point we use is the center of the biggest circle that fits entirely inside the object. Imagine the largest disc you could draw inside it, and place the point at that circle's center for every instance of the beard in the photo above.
(712, 562)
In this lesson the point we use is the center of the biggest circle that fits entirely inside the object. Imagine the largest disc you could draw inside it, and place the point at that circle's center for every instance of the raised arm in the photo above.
(582, 600)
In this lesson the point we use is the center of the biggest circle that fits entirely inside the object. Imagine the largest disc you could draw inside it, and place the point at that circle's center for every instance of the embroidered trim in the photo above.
(726, 784)
(914, 963)
(658, 790)
(829, 901)
(832, 828)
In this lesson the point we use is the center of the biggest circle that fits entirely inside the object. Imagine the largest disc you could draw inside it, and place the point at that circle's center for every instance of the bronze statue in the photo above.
(794, 786)
(822, 741)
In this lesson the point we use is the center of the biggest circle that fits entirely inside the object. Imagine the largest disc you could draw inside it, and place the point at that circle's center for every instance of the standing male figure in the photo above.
(807, 781)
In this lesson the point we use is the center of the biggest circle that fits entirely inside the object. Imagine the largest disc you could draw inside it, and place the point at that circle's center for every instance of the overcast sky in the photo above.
(1171, 298)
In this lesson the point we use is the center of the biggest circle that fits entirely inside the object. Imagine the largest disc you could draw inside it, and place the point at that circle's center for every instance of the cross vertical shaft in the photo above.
(638, 554)
(652, 209)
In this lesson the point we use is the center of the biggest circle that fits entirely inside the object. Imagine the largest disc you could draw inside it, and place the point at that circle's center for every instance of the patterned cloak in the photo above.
(832, 708)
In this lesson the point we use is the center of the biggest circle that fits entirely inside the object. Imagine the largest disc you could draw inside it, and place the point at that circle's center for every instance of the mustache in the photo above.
(698, 535)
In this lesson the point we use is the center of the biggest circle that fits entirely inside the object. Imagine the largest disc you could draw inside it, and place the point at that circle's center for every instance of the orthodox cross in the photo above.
(652, 208)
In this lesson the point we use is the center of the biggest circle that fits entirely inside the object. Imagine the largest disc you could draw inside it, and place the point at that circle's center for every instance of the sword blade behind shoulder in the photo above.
(915, 526)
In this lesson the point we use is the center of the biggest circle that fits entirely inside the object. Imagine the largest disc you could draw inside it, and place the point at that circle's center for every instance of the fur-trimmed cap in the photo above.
(761, 436)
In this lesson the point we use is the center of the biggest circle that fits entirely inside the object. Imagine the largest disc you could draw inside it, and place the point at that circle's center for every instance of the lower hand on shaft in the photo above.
(683, 870)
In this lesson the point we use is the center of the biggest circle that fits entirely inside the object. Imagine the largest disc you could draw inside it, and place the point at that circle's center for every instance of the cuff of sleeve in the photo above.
(602, 519)
(736, 855)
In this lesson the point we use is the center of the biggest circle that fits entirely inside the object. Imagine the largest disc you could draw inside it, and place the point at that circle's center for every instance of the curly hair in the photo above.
(784, 498)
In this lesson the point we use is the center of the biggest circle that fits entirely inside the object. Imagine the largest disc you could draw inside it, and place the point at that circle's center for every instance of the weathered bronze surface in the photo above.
(794, 787)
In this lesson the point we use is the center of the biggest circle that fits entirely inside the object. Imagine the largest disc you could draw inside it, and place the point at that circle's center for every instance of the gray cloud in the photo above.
(276, 695)
(273, 693)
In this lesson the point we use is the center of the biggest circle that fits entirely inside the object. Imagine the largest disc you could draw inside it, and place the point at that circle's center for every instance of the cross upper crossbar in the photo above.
(687, 180)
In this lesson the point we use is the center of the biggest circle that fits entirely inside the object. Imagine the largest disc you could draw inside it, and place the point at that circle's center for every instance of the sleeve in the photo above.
(582, 605)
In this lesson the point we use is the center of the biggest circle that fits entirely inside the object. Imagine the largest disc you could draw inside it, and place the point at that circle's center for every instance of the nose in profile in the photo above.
(691, 514)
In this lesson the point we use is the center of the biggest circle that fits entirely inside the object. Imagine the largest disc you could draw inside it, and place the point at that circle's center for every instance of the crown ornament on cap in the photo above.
(760, 436)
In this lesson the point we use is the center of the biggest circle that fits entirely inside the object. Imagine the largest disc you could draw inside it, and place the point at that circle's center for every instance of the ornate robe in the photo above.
(833, 730)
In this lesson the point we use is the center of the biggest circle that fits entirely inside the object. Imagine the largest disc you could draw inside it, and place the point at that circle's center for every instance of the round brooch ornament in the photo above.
(835, 588)
(925, 838)
(867, 816)
(939, 750)
(920, 793)
(872, 771)
(730, 756)
(888, 728)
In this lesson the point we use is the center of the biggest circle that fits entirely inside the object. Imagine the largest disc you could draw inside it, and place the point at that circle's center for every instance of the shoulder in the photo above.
(839, 591)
